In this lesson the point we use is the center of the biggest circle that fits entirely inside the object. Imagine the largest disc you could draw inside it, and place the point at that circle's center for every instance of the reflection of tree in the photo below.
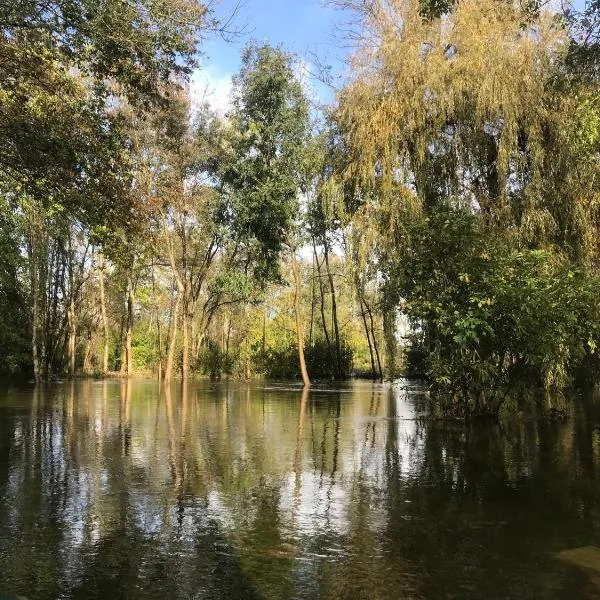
(125, 489)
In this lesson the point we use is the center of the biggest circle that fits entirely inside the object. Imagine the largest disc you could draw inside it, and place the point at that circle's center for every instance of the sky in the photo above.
(307, 28)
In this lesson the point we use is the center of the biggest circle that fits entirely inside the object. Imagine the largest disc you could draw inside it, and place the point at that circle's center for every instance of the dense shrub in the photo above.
(282, 363)
(494, 320)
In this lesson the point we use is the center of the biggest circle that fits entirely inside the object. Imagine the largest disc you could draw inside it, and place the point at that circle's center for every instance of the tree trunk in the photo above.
(103, 313)
(87, 355)
(336, 327)
(35, 308)
(129, 331)
(375, 347)
(172, 339)
(364, 319)
(185, 359)
(323, 319)
(72, 337)
(180, 302)
(38, 268)
(71, 312)
(299, 327)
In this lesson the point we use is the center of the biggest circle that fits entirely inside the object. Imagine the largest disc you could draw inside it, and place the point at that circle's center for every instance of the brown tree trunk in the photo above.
(71, 312)
(129, 331)
(172, 339)
(72, 337)
(38, 271)
(375, 347)
(185, 359)
(103, 313)
(323, 319)
(180, 302)
(87, 355)
(364, 319)
(299, 327)
(336, 327)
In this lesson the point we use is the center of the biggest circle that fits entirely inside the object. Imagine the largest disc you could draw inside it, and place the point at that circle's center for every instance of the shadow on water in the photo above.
(118, 489)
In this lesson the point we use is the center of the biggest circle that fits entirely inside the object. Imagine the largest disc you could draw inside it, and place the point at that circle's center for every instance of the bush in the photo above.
(283, 363)
(494, 320)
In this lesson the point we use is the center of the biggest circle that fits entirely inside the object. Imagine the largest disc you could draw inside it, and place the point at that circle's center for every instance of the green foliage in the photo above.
(138, 46)
(495, 320)
(215, 362)
(262, 166)
(282, 362)
(15, 351)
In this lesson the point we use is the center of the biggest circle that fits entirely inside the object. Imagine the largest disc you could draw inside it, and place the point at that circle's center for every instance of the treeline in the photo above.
(141, 232)
(454, 182)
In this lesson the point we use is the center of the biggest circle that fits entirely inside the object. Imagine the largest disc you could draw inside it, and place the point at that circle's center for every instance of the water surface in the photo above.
(114, 489)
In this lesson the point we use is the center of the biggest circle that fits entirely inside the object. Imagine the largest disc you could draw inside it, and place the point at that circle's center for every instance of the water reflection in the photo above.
(119, 489)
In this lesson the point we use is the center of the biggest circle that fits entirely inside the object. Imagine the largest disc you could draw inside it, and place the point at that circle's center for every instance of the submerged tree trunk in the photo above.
(374, 338)
(129, 329)
(71, 312)
(185, 359)
(35, 312)
(87, 355)
(103, 313)
(323, 319)
(72, 337)
(299, 327)
(172, 339)
(38, 269)
(364, 320)
(334, 315)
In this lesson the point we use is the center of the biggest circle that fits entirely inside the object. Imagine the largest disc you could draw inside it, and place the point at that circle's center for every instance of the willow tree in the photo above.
(470, 113)
(473, 106)
(262, 169)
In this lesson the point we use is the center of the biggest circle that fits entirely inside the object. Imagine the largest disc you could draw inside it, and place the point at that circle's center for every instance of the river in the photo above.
(116, 489)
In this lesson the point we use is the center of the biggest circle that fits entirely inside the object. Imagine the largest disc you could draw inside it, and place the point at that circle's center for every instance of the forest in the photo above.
(438, 219)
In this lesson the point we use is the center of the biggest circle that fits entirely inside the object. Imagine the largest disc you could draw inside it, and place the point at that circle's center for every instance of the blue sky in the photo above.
(304, 27)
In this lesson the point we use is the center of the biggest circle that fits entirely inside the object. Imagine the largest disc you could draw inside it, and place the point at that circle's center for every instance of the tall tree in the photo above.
(269, 130)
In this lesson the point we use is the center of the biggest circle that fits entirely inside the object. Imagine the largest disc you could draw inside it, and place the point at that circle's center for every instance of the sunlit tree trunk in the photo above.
(38, 268)
(129, 329)
(71, 312)
(105, 340)
(321, 293)
(374, 338)
(298, 313)
(185, 358)
(87, 355)
(334, 315)
(366, 326)
(172, 338)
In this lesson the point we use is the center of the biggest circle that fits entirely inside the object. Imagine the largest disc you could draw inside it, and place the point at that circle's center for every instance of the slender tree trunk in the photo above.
(71, 312)
(312, 299)
(72, 337)
(129, 331)
(375, 347)
(105, 340)
(172, 339)
(247, 370)
(323, 319)
(299, 327)
(185, 359)
(87, 355)
(38, 268)
(180, 302)
(264, 330)
(35, 306)
(364, 319)
(336, 327)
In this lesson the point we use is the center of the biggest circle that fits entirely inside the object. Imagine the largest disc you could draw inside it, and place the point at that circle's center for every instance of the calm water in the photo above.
(123, 490)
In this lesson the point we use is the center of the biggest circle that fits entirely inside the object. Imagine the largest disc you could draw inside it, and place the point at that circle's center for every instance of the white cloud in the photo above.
(210, 85)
